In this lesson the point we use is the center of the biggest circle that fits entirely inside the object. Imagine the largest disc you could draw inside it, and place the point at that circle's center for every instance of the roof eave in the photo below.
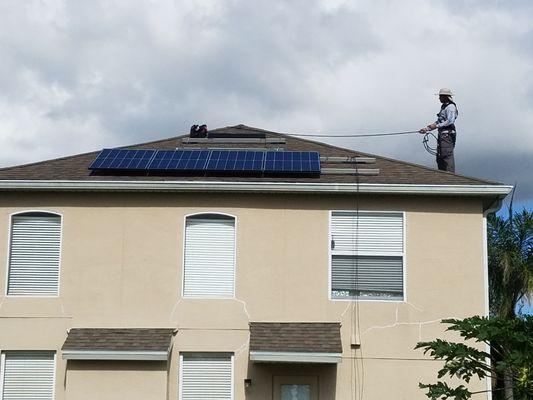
(295, 357)
(123, 355)
(259, 187)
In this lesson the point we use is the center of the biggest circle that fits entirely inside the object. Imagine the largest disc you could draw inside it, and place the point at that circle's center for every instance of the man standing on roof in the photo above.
(445, 123)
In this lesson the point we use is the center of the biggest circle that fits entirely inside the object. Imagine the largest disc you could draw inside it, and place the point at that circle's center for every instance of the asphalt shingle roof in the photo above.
(75, 168)
(308, 337)
(105, 339)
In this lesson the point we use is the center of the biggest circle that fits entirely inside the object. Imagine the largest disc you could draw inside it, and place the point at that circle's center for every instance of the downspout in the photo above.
(493, 207)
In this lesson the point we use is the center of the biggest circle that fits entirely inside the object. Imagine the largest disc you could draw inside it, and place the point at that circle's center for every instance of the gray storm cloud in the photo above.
(77, 76)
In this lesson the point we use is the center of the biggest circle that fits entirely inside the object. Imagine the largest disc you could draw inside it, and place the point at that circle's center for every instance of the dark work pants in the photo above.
(446, 144)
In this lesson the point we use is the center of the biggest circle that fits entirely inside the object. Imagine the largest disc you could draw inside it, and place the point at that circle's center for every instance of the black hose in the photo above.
(427, 146)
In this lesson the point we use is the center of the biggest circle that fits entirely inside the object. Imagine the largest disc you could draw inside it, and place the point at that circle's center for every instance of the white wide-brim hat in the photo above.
(445, 92)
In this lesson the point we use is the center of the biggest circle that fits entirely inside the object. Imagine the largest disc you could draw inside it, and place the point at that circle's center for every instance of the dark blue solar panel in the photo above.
(278, 162)
(179, 160)
(292, 162)
(122, 159)
(236, 160)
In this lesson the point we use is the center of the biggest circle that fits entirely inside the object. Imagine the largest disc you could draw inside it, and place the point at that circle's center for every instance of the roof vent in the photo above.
(198, 131)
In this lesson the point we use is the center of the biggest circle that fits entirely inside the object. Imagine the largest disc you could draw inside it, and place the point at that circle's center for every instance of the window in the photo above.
(34, 254)
(209, 259)
(27, 375)
(206, 376)
(367, 255)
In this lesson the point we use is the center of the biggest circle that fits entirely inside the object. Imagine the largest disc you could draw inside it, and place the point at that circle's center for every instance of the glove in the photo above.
(423, 130)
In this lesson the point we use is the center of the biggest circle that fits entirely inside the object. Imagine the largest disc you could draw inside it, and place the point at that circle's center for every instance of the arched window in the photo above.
(209, 259)
(34, 253)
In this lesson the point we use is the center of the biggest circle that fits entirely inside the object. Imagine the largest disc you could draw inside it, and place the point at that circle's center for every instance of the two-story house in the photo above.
(243, 265)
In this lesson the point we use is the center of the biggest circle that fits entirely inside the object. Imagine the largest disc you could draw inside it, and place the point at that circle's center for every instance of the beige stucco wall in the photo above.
(121, 266)
(112, 380)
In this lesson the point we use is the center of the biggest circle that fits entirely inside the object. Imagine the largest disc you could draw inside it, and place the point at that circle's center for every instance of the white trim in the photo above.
(54, 376)
(114, 355)
(2, 372)
(278, 187)
(295, 357)
(8, 253)
(330, 271)
(232, 376)
(234, 255)
(180, 378)
(403, 255)
(486, 267)
(488, 380)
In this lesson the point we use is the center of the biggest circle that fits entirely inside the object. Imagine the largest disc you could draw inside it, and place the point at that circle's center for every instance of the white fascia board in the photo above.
(114, 355)
(260, 187)
(295, 357)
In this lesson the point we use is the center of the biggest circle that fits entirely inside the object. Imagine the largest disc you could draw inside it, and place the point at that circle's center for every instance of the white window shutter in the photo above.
(209, 269)
(367, 255)
(34, 255)
(206, 377)
(369, 232)
(28, 375)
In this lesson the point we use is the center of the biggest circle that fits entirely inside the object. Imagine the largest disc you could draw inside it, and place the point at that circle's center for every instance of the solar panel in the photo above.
(236, 160)
(292, 162)
(121, 159)
(257, 161)
(179, 160)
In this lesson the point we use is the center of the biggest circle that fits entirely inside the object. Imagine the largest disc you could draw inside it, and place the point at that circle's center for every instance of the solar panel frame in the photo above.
(123, 159)
(292, 162)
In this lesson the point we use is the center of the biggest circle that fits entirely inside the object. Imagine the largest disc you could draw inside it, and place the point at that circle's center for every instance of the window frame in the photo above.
(3, 369)
(184, 244)
(8, 253)
(404, 257)
(200, 353)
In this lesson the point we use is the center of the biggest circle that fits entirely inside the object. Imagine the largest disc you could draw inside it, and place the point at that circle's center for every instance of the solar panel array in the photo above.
(199, 160)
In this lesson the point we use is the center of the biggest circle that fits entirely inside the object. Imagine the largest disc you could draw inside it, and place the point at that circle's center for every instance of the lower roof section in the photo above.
(295, 342)
(149, 344)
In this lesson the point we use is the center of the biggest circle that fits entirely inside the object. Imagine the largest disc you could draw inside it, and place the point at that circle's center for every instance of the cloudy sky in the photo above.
(76, 76)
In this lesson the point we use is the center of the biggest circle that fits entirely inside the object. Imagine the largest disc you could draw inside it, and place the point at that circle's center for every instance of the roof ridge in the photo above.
(384, 158)
(242, 126)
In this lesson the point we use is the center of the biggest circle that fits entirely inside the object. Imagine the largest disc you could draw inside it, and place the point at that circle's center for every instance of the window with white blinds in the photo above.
(34, 254)
(27, 375)
(209, 259)
(367, 255)
(206, 376)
